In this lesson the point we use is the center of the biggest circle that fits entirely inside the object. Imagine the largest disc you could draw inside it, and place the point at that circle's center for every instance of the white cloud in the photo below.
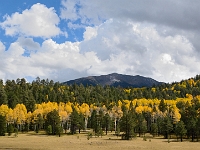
(119, 37)
(28, 43)
(166, 59)
(2, 47)
(69, 10)
(38, 21)
(128, 48)
(90, 33)
(138, 48)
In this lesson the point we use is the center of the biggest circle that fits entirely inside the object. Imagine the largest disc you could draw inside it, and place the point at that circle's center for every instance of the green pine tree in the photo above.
(180, 130)
(2, 125)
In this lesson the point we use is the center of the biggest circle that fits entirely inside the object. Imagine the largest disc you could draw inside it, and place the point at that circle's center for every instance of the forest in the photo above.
(43, 105)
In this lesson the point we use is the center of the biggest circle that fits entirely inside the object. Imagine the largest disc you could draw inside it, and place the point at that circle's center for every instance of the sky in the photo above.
(67, 39)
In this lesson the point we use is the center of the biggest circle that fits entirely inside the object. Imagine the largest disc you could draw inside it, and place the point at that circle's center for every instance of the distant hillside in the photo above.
(116, 80)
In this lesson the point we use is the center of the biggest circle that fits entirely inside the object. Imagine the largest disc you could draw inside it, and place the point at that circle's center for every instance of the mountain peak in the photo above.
(115, 79)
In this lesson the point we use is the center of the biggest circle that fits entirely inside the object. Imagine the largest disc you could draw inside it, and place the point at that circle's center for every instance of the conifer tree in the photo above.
(75, 120)
(2, 125)
(128, 123)
(52, 122)
(180, 130)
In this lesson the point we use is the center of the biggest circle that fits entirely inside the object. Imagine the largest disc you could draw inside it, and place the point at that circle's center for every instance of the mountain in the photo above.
(115, 80)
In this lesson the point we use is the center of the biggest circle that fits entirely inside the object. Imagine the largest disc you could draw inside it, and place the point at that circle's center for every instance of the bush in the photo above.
(59, 130)
(49, 129)
(16, 132)
(10, 129)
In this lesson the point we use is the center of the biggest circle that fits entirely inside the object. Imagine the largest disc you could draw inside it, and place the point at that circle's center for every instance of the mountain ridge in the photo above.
(115, 79)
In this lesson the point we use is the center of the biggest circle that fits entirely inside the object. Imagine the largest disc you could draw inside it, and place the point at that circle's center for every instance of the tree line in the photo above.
(44, 105)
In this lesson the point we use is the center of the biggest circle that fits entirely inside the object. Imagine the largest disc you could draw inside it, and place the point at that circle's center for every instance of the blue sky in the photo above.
(68, 39)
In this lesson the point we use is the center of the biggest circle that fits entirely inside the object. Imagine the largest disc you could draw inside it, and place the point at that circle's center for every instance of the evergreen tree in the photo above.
(52, 122)
(106, 122)
(141, 124)
(128, 123)
(162, 106)
(166, 127)
(191, 127)
(3, 95)
(93, 122)
(154, 129)
(75, 120)
(39, 122)
(10, 129)
(2, 125)
(180, 130)
(81, 124)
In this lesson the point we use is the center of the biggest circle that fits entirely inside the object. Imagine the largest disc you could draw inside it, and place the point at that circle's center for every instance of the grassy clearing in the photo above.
(33, 141)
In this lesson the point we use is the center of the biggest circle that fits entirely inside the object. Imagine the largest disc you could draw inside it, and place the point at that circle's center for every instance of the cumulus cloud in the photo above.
(2, 47)
(69, 9)
(138, 48)
(120, 37)
(122, 47)
(90, 33)
(38, 21)
(169, 13)
(28, 43)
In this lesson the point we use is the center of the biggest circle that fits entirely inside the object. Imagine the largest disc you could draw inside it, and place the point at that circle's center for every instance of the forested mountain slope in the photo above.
(115, 80)
(19, 91)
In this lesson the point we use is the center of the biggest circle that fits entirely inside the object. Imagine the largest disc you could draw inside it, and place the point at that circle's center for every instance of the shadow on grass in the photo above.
(15, 148)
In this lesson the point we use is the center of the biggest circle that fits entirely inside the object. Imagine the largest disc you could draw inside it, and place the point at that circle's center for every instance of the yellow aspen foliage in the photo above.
(48, 107)
(119, 103)
(184, 100)
(191, 82)
(82, 110)
(9, 116)
(147, 109)
(139, 103)
(63, 116)
(68, 108)
(127, 90)
(38, 110)
(4, 110)
(127, 104)
(153, 89)
(150, 102)
(198, 97)
(104, 109)
(29, 117)
(139, 109)
(19, 114)
(144, 102)
(189, 96)
(117, 112)
(85, 109)
(62, 113)
(176, 115)
(76, 107)
(134, 102)
(61, 106)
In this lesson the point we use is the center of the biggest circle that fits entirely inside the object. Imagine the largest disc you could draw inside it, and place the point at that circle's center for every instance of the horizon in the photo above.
(27, 81)
(62, 40)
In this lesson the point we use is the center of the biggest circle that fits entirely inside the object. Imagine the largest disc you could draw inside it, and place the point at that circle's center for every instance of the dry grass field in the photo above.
(32, 141)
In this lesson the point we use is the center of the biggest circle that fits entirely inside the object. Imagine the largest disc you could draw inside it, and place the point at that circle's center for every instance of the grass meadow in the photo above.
(33, 141)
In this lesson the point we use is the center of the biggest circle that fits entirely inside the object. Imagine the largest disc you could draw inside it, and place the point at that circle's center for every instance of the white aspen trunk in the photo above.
(115, 125)
(86, 122)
